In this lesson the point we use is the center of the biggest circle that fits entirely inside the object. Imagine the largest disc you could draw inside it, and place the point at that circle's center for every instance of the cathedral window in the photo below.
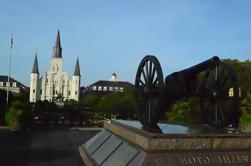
(33, 90)
(69, 92)
(40, 91)
(46, 80)
(76, 92)
(53, 92)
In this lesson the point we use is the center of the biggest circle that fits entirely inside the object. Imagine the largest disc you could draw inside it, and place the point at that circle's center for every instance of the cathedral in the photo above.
(55, 85)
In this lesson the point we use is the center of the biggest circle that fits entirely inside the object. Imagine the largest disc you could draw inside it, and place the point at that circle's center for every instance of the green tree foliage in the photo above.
(2, 98)
(245, 120)
(111, 103)
(243, 70)
(42, 106)
(89, 101)
(118, 103)
(184, 111)
(245, 105)
(20, 111)
(245, 108)
(12, 98)
(2, 105)
(71, 104)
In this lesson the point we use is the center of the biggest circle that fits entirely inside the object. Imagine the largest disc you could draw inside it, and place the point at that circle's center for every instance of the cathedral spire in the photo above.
(77, 70)
(57, 50)
(35, 65)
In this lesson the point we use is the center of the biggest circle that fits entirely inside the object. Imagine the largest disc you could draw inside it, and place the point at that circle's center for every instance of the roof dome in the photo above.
(114, 77)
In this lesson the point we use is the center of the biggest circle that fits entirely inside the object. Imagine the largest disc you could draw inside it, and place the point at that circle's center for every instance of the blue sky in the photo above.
(113, 36)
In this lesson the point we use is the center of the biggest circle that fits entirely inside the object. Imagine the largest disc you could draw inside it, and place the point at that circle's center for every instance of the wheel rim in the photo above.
(217, 106)
(149, 91)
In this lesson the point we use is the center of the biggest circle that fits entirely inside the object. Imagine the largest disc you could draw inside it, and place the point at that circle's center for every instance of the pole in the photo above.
(8, 83)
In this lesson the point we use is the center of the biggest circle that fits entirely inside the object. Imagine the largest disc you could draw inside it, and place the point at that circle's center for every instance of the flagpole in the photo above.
(8, 84)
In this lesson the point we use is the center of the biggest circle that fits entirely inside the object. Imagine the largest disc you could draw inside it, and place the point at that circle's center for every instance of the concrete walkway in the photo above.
(43, 147)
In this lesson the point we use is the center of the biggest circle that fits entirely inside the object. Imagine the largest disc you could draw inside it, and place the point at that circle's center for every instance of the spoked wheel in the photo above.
(220, 96)
(149, 92)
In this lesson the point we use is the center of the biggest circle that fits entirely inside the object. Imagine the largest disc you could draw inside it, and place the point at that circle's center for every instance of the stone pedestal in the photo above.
(119, 144)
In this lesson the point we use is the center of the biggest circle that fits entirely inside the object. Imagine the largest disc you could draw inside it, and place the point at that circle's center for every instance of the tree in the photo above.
(12, 97)
(2, 106)
(118, 103)
(184, 111)
(19, 115)
(2, 98)
(90, 101)
(71, 104)
(245, 105)
(243, 70)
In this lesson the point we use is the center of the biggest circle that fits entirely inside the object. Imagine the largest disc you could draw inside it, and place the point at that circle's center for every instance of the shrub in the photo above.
(18, 112)
(245, 120)
(180, 112)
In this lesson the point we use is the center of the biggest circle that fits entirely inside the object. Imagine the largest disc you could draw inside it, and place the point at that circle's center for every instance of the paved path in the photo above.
(43, 147)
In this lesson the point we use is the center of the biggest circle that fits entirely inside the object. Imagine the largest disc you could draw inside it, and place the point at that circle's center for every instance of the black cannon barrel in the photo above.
(180, 77)
(201, 66)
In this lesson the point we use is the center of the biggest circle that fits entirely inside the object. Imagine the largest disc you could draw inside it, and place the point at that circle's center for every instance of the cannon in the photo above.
(212, 82)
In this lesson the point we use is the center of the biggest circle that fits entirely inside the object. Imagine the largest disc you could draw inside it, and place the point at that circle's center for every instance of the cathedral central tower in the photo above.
(57, 61)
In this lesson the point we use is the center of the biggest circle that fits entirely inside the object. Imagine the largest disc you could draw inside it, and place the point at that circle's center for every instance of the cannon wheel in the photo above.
(149, 92)
(218, 107)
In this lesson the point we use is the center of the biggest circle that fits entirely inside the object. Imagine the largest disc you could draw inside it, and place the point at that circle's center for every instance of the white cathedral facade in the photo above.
(55, 85)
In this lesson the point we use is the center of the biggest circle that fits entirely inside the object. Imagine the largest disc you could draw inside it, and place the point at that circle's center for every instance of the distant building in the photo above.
(104, 86)
(15, 86)
(55, 84)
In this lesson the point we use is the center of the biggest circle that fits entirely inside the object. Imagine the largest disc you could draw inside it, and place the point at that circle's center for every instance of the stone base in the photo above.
(119, 144)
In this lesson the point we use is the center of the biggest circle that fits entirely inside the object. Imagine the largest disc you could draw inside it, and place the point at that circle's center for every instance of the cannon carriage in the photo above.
(213, 82)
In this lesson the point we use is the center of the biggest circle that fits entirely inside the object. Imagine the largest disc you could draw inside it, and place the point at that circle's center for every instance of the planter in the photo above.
(245, 122)
(246, 128)
(17, 125)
